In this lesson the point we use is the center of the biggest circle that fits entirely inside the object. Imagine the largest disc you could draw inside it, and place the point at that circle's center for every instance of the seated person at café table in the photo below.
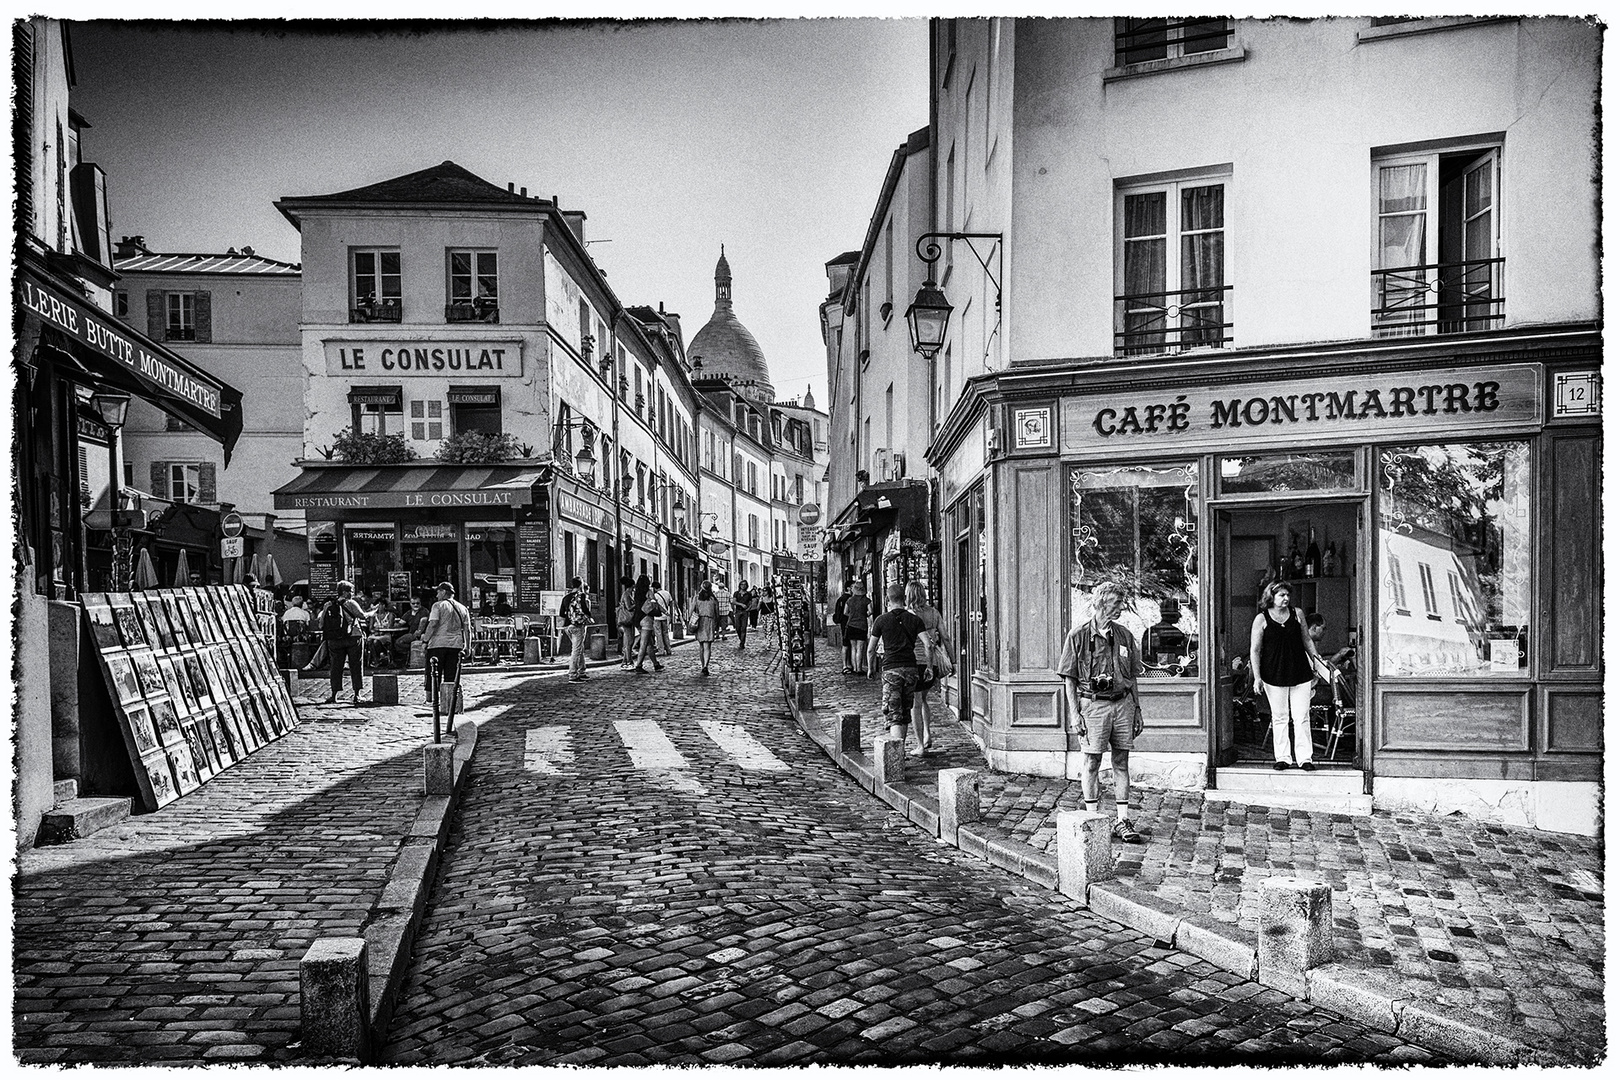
(415, 626)
(295, 620)
(379, 642)
(503, 607)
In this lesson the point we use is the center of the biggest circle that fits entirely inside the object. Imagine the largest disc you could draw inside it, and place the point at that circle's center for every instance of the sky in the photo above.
(674, 137)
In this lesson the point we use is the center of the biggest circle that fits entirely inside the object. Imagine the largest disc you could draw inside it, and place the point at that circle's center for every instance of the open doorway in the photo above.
(1316, 548)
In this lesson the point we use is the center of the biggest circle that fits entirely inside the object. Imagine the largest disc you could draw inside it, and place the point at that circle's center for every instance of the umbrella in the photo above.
(256, 568)
(182, 571)
(272, 572)
(145, 574)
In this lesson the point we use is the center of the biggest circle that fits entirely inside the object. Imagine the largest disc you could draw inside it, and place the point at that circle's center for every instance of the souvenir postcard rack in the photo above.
(793, 620)
(191, 678)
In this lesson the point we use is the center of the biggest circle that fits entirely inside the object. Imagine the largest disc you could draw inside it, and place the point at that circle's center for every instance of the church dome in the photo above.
(725, 346)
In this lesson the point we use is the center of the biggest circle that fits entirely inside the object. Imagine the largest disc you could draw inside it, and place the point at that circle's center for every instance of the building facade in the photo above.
(1351, 344)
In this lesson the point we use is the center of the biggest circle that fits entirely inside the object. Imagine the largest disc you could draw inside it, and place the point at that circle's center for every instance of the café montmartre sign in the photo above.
(1363, 406)
(481, 359)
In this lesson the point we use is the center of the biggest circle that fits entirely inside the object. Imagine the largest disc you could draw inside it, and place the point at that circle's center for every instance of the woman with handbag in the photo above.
(625, 618)
(928, 648)
(647, 609)
(705, 619)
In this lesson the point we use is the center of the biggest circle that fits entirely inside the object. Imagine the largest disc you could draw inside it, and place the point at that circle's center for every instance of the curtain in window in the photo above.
(1403, 203)
(1203, 263)
(1144, 272)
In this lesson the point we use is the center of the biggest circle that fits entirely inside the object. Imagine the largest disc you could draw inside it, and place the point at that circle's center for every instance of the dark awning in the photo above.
(391, 395)
(112, 352)
(876, 507)
(474, 395)
(427, 487)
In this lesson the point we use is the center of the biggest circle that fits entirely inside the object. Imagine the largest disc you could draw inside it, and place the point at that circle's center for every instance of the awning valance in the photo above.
(428, 487)
(125, 359)
(474, 395)
(377, 395)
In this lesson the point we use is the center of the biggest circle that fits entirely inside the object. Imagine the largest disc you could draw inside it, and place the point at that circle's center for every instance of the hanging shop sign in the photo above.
(481, 359)
(588, 514)
(1446, 401)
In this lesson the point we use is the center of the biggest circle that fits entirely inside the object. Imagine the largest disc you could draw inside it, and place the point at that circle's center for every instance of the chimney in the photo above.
(524, 192)
(510, 187)
(247, 250)
(130, 246)
(576, 222)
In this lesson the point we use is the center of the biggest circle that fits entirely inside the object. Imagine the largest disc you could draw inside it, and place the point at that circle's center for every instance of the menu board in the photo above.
(323, 579)
(534, 564)
(192, 678)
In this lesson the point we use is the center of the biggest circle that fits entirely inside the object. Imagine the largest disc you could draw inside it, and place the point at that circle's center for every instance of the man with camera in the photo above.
(1098, 666)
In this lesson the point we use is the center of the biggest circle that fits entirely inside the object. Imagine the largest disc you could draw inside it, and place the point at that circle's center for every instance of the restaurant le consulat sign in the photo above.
(1447, 402)
(481, 359)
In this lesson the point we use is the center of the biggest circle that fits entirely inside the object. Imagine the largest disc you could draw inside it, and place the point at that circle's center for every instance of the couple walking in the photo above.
(914, 661)
(643, 616)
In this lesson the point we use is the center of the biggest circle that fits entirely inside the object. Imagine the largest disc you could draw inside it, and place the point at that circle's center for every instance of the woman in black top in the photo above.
(645, 609)
(1281, 654)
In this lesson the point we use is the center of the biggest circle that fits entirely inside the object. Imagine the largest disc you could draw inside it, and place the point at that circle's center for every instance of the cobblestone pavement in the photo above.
(662, 868)
(175, 936)
(1505, 921)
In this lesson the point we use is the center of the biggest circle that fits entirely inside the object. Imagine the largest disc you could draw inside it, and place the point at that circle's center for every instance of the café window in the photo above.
(1462, 510)
(377, 410)
(474, 292)
(368, 558)
(475, 408)
(375, 285)
(427, 420)
(1137, 526)
(492, 556)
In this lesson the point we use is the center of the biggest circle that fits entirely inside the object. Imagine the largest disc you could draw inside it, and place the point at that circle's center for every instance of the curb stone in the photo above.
(1362, 994)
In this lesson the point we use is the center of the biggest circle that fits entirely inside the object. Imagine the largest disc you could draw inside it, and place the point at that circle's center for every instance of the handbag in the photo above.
(940, 660)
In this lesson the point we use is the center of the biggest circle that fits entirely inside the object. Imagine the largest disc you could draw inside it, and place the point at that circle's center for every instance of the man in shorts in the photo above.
(1098, 665)
(898, 629)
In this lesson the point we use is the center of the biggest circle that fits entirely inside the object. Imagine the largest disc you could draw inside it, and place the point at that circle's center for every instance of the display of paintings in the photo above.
(156, 619)
(192, 666)
(129, 624)
(165, 720)
(201, 760)
(121, 675)
(159, 780)
(146, 667)
(141, 735)
(149, 629)
(207, 614)
(185, 772)
(102, 627)
(182, 604)
(225, 741)
(174, 677)
(171, 608)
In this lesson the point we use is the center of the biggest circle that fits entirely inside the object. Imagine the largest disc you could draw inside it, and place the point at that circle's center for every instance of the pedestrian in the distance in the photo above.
(753, 608)
(741, 605)
(922, 713)
(668, 603)
(856, 608)
(705, 617)
(899, 631)
(1098, 665)
(648, 608)
(626, 619)
(343, 632)
(575, 613)
(1284, 659)
(448, 636)
(722, 596)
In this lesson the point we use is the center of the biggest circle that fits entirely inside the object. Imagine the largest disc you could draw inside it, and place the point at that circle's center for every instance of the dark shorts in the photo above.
(854, 633)
(900, 686)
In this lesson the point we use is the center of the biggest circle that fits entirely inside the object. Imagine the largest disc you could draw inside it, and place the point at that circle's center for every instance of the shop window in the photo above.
(1436, 248)
(1138, 41)
(475, 408)
(1324, 470)
(1173, 268)
(474, 292)
(1137, 526)
(369, 557)
(1461, 509)
(374, 281)
(492, 558)
(427, 420)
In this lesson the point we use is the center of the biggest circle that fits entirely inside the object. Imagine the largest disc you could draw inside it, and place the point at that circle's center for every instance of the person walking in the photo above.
(722, 596)
(1283, 657)
(705, 618)
(575, 613)
(1098, 665)
(343, 633)
(899, 631)
(922, 710)
(448, 636)
(625, 618)
(741, 605)
(647, 610)
(666, 601)
(856, 608)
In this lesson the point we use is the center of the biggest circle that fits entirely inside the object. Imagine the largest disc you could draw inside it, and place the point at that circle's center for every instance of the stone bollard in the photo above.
(1085, 852)
(806, 693)
(334, 999)
(531, 650)
(889, 755)
(849, 732)
(958, 800)
(439, 767)
(289, 676)
(385, 689)
(418, 655)
(1296, 931)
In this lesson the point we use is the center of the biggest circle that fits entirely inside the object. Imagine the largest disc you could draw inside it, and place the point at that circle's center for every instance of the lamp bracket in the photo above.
(930, 251)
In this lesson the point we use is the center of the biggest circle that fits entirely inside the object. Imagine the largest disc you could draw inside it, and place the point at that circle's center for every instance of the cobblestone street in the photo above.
(663, 869)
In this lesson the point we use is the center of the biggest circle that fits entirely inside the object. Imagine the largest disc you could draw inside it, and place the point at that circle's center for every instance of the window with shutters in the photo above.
(185, 481)
(180, 317)
(427, 420)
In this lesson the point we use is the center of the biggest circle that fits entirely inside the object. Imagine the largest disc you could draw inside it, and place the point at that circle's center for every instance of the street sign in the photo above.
(810, 543)
(809, 514)
(231, 547)
(231, 524)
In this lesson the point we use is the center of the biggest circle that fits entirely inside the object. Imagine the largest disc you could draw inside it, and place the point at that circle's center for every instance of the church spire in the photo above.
(722, 282)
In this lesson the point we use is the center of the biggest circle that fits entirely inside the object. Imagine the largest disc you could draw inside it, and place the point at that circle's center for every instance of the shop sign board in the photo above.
(399, 586)
(534, 564)
(1447, 401)
(393, 500)
(428, 532)
(586, 513)
(480, 359)
(643, 537)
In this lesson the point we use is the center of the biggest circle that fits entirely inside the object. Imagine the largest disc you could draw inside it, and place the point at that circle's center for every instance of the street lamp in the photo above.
(584, 460)
(113, 408)
(930, 311)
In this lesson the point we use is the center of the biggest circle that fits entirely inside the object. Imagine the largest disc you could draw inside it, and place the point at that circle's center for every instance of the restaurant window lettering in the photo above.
(1460, 514)
(1137, 527)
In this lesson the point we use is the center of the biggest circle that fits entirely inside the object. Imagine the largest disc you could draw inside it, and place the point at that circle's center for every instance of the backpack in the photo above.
(838, 610)
(573, 610)
(335, 621)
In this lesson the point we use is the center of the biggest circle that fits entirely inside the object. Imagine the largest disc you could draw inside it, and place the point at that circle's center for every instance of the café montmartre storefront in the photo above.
(1436, 501)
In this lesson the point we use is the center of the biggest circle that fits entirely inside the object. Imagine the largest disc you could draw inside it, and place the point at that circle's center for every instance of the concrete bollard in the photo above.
(1085, 851)
(531, 650)
(334, 999)
(1296, 931)
(806, 693)
(439, 767)
(849, 732)
(958, 800)
(290, 677)
(418, 655)
(385, 689)
(889, 755)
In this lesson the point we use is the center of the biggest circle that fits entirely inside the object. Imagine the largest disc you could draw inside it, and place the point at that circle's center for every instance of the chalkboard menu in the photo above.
(534, 564)
(192, 679)
(323, 581)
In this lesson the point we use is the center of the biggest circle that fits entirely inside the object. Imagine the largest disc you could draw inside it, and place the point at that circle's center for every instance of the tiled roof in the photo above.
(444, 182)
(229, 263)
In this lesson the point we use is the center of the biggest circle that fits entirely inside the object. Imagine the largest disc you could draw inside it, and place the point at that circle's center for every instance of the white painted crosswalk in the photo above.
(748, 752)
(548, 751)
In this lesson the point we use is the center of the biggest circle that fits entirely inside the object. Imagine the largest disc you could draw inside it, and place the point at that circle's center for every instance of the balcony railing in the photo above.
(1438, 298)
(1139, 40)
(180, 333)
(387, 310)
(481, 310)
(1173, 321)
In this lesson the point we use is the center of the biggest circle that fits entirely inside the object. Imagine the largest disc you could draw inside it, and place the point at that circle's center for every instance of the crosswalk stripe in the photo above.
(549, 750)
(748, 752)
(649, 747)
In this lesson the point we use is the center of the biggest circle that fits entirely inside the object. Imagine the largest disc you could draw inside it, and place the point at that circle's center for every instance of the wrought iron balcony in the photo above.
(387, 310)
(1437, 298)
(480, 310)
(180, 333)
(1173, 321)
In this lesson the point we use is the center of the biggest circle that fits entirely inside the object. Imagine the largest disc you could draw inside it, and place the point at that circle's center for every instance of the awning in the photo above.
(427, 487)
(110, 351)
(474, 395)
(896, 504)
(377, 395)
(681, 545)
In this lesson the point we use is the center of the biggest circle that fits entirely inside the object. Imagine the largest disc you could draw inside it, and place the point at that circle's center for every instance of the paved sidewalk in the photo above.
(175, 937)
(1507, 922)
